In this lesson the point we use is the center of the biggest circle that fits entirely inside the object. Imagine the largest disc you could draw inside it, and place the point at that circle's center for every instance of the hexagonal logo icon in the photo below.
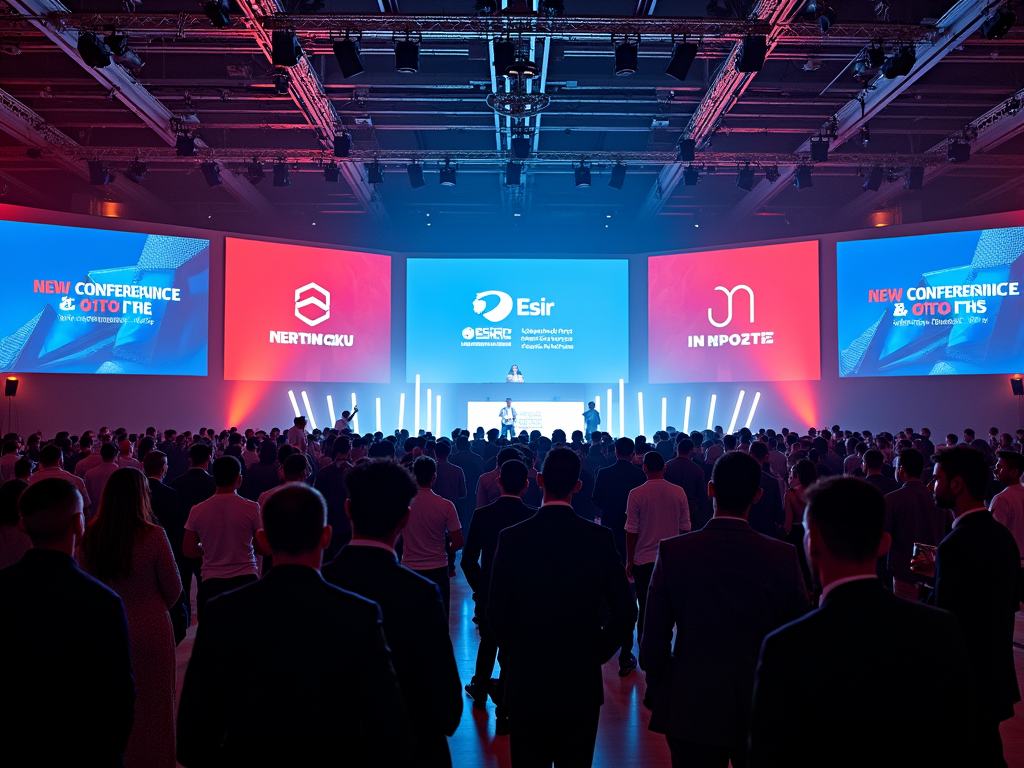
(312, 304)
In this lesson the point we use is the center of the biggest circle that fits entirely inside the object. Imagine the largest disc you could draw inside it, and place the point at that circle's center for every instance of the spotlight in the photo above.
(513, 174)
(281, 80)
(582, 173)
(690, 176)
(752, 53)
(1016, 385)
(626, 57)
(827, 19)
(331, 173)
(407, 56)
(745, 179)
(915, 178)
(504, 56)
(865, 135)
(347, 53)
(876, 56)
(94, 52)
(900, 63)
(958, 151)
(819, 149)
(618, 177)
(771, 174)
(687, 150)
(552, 7)
(996, 27)
(185, 145)
(254, 172)
(682, 58)
(218, 12)
(375, 173)
(118, 44)
(448, 173)
(281, 175)
(874, 179)
(802, 177)
(285, 50)
(484, 7)
(34, 152)
(342, 144)
(136, 171)
(211, 173)
(520, 147)
(415, 171)
(524, 69)
(99, 174)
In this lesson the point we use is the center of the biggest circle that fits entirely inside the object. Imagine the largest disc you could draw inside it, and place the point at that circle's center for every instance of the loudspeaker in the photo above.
(915, 178)
(874, 179)
(11, 386)
(1016, 385)
(752, 53)
(687, 150)
(284, 48)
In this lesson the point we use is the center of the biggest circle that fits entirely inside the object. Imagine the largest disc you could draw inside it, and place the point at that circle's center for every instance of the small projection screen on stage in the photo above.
(931, 305)
(77, 300)
(743, 314)
(556, 320)
(298, 313)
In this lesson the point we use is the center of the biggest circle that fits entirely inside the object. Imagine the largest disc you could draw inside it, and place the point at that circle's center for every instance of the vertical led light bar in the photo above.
(401, 412)
(607, 422)
(437, 417)
(416, 409)
(309, 411)
(330, 410)
(378, 416)
(355, 417)
(622, 408)
(640, 410)
(736, 413)
(430, 408)
(753, 407)
(295, 404)
(686, 416)
(711, 413)
(664, 414)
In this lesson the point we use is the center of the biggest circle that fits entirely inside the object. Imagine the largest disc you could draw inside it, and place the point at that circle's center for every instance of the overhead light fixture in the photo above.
(618, 177)
(285, 50)
(519, 8)
(218, 12)
(997, 26)
(552, 7)
(819, 149)
(448, 172)
(582, 173)
(331, 173)
(136, 171)
(118, 44)
(752, 53)
(282, 79)
(99, 174)
(687, 150)
(802, 177)
(900, 63)
(94, 52)
(627, 56)
(865, 135)
(873, 181)
(185, 145)
(513, 174)
(212, 174)
(716, 11)
(346, 51)
(415, 171)
(484, 7)
(504, 56)
(375, 173)
(771, 174)
(407, 56)
(520, 147)
(745, 179)
(342, 144)
(683, 55)
(524, 69)
(254, 172)
(691, 176)
(876, 55)
(958, 151)
(915, 178)
(826, 18)
(282, 175)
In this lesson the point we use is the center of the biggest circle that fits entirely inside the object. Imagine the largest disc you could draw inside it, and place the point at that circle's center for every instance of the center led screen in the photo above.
(744, 314)
(79, 300)
(298, 313)
(517, 320)
(932, 305)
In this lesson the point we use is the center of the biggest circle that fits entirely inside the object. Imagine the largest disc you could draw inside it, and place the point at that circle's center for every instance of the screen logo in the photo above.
(502, 310)
(730, 294)
(313, 304)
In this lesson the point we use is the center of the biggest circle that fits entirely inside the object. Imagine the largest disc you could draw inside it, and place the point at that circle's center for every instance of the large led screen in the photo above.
(554, 320)
(931, 305)
(744, 314)
(298, 313)
(77, 300)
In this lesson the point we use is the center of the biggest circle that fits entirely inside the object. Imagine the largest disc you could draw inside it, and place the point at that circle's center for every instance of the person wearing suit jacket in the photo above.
(977, 579)
(477, 559)
(415, 624)
(68, 677)
(316, 654)
(682, 471)
(766, 515)
(723, 588)
(548, 617)
(827, 670)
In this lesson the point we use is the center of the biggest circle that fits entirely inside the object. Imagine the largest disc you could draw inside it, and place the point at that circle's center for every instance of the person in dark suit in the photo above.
(873, 467)
(192, 487)
(472, 466)
(477, 558)
(167, 510)
(68, 677)
(548, 617)
(611, 492)
(766, 515)
(331, 483)
(415, 624)
(328, 691)
(682, 471)
(977, 579)
(827, 670)
(723, 589)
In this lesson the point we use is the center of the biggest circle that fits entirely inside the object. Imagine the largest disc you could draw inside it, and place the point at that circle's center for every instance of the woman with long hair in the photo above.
(515, 376)
(125, 549)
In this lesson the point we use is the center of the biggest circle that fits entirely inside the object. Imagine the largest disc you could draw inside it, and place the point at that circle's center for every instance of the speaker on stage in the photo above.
(1017, 385)
(11, 387)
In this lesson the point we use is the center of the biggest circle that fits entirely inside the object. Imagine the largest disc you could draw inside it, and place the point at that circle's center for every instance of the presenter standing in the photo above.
(508, 419)
(591, 420)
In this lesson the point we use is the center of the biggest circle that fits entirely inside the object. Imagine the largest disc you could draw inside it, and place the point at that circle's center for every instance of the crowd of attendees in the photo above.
(775, 587)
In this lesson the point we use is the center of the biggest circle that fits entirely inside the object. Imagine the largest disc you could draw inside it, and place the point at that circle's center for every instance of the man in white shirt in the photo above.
(423, 538)
(1007, 506)
(51, 464)
(96, 478)
(297, 435)
(222, 531)
(508, 418)
(124, 456)
(346, 419)
(8, 460)
(655, 511)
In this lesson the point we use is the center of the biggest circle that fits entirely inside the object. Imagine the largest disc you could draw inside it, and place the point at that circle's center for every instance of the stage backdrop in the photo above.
(545, 416)
(78, 300)
(471, 320)
(296, 313)
(932, 305)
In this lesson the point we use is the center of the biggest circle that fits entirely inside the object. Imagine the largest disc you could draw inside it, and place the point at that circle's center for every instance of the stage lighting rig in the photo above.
(582, 174)
(690, 176)
(407, 56)
(375, 173)
(448, 173)
(99, 174)
(900, 63)
(285, 50)
(802, 177)
(93, 50)
(627, 55)
(331, 173)
(282, 79)
(618, 176)
(185, 145)
(346, 51)
(136, 171)
(752, 53)
(1000, 23)
(552, 7)
(745, 179)
(218, 12)
(819, 149)
(520, 146)
(687, 150)
(415, 171)
(254, 172)
(513, 173)
(342, 144)
(873, 180)
(282, 175)
(212, 174)
(771, 174)
(683, 55)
